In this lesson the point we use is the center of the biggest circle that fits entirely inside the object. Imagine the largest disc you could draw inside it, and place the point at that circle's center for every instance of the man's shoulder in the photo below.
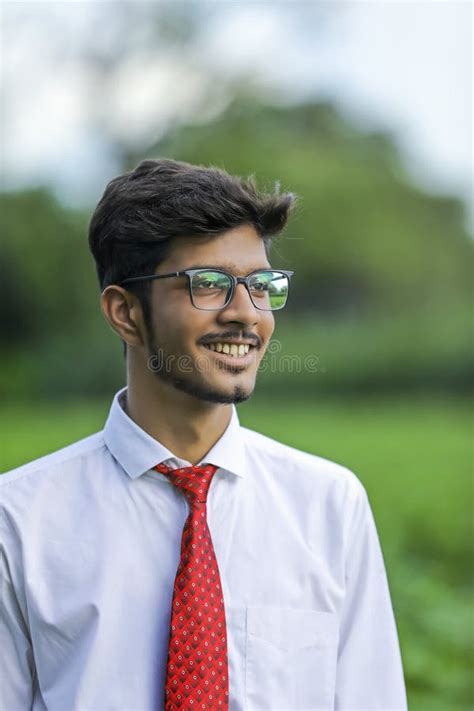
(299, 462)
(50, 463)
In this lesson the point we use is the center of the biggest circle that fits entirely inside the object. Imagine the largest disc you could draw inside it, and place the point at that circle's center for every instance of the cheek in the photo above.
(268, 326)
(170, 315)
(178, 324)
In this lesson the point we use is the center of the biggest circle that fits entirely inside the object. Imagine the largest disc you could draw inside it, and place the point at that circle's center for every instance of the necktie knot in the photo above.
(193, 481)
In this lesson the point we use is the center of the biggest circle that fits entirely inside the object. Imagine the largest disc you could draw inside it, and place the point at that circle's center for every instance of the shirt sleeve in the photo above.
(16, 678)
(369, 670)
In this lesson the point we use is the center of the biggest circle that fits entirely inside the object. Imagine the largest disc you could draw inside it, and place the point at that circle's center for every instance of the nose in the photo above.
(240, 309)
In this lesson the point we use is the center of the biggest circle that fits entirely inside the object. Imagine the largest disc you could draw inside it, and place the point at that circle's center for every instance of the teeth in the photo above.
(230, 348)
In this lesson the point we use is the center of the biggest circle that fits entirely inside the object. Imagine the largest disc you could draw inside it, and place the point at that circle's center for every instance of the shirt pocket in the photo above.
(291, 658)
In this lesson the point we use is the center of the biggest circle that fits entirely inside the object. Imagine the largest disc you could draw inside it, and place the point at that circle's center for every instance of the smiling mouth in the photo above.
(233, 349)
(232, 355)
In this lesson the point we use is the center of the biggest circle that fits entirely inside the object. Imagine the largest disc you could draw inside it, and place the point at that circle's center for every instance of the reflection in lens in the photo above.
(269, 290)
(210, 289)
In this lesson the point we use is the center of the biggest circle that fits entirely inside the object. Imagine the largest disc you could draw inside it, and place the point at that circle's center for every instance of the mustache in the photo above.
(251, 337)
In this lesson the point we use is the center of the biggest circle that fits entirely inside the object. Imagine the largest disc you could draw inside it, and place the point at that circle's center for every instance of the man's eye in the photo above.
(209, 284)
(260, 286)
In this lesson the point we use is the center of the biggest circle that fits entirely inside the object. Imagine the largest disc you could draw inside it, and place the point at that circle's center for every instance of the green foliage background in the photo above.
(380, 305)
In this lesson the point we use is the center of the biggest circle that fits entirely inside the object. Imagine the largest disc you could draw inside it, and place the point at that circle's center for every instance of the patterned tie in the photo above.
(197, 671)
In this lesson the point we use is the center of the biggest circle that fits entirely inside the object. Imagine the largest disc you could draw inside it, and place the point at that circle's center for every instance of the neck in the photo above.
(185, 425)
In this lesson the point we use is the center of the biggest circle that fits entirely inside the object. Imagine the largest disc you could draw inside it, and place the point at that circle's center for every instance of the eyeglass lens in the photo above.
(211, 289)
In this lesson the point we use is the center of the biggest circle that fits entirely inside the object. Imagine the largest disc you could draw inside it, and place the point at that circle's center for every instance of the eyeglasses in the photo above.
(213, 289)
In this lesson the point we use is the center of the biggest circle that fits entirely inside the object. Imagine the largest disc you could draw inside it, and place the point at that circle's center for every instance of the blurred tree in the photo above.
(137, 71)
(44, 283)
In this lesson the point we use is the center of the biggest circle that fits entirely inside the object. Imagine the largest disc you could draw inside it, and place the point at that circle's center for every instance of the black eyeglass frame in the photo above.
(234, 282)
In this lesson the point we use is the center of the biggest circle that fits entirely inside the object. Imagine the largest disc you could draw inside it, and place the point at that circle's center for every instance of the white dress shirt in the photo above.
(90, 544)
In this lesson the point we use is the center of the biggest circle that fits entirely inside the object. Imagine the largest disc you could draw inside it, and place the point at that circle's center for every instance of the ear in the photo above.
(123, 312)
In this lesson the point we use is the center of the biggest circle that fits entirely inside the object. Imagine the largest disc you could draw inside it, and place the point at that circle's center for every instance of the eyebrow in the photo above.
(226, 268)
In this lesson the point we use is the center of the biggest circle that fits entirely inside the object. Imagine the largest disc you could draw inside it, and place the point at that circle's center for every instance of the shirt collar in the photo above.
(137, 452)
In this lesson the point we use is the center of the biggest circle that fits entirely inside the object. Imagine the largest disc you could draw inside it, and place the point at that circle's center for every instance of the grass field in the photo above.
(415, 459)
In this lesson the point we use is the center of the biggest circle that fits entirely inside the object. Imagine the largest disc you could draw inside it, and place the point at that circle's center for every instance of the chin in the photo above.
(238, 395)
(224, 394)
(209, 392)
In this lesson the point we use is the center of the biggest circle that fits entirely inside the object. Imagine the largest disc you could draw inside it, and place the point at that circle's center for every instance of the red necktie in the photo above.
(197, 671)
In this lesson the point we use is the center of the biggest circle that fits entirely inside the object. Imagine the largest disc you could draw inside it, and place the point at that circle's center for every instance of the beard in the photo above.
(189, 383)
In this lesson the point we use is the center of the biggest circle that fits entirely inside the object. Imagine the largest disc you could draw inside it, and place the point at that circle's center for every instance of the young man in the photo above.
(176, 559)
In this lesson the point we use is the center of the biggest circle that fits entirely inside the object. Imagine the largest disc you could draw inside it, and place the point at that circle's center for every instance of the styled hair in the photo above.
(141, 212)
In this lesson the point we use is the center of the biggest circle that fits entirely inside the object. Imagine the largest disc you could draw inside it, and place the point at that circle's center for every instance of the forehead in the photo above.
(239, 251)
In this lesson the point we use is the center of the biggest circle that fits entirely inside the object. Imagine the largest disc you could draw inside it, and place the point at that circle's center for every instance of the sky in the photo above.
(397, 65)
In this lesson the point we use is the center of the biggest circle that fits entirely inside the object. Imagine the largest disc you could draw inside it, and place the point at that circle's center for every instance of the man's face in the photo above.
(177, 353)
